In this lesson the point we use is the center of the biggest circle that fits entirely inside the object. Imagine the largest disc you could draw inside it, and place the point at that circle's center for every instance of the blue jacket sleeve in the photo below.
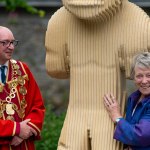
(134, 134)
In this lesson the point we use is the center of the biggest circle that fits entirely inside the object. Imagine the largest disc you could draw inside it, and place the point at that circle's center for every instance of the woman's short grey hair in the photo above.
(140, 60)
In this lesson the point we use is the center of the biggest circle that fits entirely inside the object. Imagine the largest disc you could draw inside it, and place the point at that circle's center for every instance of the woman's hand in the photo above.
(112, 107)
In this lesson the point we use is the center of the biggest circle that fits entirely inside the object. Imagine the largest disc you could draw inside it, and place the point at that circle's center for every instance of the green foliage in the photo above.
(51, 130)
(12, 5)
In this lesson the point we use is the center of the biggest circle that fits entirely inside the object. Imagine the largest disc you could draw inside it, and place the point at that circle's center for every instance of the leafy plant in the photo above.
(12, 5)
(51, 130)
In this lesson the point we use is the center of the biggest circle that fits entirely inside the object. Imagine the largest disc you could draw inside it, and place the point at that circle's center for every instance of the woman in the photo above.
(134, 131)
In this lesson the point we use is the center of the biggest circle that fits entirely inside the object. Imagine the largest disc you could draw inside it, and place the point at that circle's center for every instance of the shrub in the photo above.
(12, 5)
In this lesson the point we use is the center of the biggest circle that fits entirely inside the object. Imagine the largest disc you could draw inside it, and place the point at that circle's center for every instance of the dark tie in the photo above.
(3, 76)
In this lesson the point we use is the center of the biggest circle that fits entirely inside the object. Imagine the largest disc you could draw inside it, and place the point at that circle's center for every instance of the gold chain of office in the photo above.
(7, 105)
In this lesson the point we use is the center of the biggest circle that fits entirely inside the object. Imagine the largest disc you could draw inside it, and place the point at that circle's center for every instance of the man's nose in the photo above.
(11, 46)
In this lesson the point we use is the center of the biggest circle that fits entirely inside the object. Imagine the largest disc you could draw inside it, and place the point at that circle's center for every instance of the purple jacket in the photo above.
(135, 130)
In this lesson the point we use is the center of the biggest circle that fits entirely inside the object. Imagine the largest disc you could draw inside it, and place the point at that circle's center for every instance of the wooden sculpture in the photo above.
(92, 42)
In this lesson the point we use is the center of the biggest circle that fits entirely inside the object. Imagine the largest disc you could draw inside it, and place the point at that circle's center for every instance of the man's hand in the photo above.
(33, 131)
(25, 130)
(112, 107)
(16, 141)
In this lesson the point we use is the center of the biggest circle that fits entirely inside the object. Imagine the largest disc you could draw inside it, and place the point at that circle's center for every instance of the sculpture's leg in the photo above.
(89, 140)
(75, 134)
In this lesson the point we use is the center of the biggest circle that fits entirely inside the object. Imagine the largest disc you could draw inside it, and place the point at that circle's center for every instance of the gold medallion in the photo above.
(10, 118)
(21, 80)
(16, 66)
(9, 109)
(15, 107)
(3, 107)
(23, 103)
(12, 84)
(1, 87)
(21, 113)
(23, 90)
(1, 114)
(19, 72)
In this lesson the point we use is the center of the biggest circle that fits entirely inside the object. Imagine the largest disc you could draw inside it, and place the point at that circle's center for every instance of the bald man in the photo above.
(21, 110)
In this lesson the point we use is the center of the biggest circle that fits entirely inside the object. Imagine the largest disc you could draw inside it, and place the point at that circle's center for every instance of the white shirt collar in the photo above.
(6, 64)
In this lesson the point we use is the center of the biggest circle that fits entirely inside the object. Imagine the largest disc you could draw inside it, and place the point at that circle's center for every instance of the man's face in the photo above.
(6, 50)
(89, 9)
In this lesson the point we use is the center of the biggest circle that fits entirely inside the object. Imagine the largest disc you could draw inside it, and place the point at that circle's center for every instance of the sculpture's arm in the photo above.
(57, 56)
(137, 39)
(125, 57)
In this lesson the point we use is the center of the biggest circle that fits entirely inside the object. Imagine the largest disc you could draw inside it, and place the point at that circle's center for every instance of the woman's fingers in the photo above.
(112, 98)
(112, 106)
(109, 99)
(106, 101)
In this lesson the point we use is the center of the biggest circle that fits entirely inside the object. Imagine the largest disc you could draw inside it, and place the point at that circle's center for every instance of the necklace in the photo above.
(7, 105)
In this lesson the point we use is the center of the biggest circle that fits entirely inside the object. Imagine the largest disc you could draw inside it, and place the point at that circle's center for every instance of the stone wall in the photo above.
(30, 31)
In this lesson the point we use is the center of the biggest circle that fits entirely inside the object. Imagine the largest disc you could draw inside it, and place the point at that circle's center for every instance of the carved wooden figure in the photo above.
(92, 42)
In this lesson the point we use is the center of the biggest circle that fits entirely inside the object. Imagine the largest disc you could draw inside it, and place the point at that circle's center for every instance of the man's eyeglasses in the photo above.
(7, 43)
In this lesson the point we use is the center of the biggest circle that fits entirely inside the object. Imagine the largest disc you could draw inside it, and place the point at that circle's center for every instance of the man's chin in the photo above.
(9, 57)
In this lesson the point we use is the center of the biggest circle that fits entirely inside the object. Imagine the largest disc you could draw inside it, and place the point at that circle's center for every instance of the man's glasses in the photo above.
(7, 43)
